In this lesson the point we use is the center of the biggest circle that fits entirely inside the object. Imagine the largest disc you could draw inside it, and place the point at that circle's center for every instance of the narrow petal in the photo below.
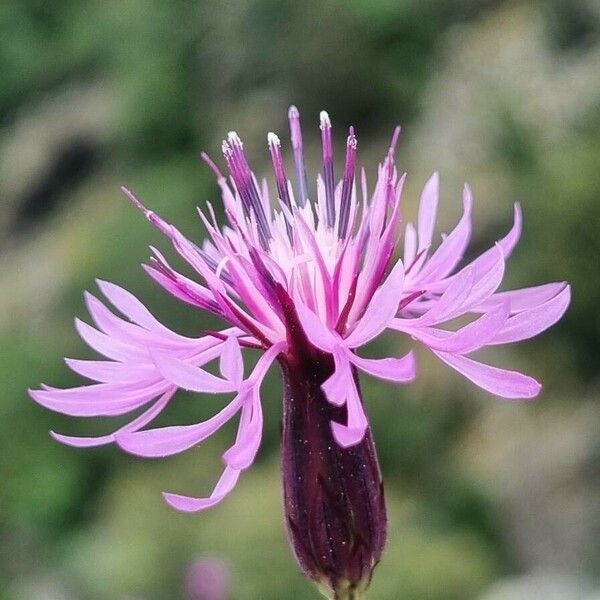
(381, 309)
(399, 370)
(106, 371)
(451, 250)
(467, 339)
(97, 400)
(241, 455)
(336, 387)
(108, 346)
(428, 211)
(166, 441)
(525, 298)
(316, 331)
(354, 431)
(189, 504)
(529, 323)
(133, 309)
(501, 382)
(141, 421)
(231, 363)
(186, 376)
(410, 244)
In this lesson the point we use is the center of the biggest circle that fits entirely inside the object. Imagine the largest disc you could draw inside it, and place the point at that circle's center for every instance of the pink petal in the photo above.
(381, 309)
(449, 303)
(189, 504)
(529, 323)
(501, 382)
(451, 250)
(133, 309)
(525, 298)
(108, 346)
(106, 371)
(316, 331)
(141, 421)
(231, 364)
(410, 244)
(188, 377)
(166, 441)
(400, 370)
(469, 338)
(335, 387)
(101, 399)
(428, 211)
(354, 431)
(241, 455)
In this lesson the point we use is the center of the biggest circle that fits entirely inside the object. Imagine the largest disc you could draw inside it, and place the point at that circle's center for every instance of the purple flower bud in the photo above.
(208, 578)
(333, 496)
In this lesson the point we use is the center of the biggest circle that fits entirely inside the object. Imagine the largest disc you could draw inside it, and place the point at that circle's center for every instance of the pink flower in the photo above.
(308, 284)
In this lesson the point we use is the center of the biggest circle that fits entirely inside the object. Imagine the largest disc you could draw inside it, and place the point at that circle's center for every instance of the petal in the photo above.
(525, 298)
(428, 211)
(141, 421)
(335, 387)
(381, 309)
(231, 363)
(166, 441)
(354, 431)
(501, 382)
(189, 504)
(467, 339)
(241, 455)
(316, 331)
(189, 377)
(108, 346)
(410, 244)
(529, 323)
(106, 371)
(400, 370)
(134, 310)
(451, 250)
(101, 399)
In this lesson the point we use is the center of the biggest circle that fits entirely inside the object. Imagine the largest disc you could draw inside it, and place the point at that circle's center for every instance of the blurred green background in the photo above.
(488, 500)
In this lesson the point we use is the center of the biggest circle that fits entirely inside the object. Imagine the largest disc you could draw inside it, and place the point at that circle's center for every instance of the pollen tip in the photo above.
(226, 148)
(273, 139)
(234, 138)
(352, 142)
(293, 112)
(325, 120)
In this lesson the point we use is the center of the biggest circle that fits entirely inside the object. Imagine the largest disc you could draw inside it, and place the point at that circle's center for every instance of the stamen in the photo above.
(212, 166)
(161, 225)
(328, 177)
(348, 183)
(296, 135)
(395, 138)
(280, 176)
(246, 185)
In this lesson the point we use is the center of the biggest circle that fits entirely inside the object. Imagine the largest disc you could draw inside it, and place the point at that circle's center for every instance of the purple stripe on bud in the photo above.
(328, 176)
(348, 183)
(296, 135)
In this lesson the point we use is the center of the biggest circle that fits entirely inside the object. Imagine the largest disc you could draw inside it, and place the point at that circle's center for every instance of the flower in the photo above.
(208, 578)
(308, 284)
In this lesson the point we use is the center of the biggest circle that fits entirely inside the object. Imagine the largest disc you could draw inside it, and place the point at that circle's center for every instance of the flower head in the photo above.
(308, 283)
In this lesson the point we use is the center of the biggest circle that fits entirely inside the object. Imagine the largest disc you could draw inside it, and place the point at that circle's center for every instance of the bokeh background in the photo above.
(488, 500)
